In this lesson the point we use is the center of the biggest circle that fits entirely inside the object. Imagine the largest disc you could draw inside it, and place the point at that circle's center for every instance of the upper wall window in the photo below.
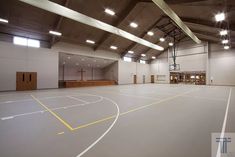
(127, 59)
(142, 62)
(26, 42)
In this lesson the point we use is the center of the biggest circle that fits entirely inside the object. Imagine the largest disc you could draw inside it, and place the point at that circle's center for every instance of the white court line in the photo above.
(53, 109)
(224, 123)
(71, 97)
(106, 132)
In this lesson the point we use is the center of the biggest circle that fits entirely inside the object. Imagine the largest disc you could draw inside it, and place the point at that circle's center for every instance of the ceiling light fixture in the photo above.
(109, 11)
(90, 41)
(153, 57)
(143, 55)
(77, 64)
(225, 41)
(162, 39)
(55, 33)
(219, 17)
(171, 44)
(131, 52)
(113, 47)
(223, 32)
(3, 20)
(226, 47)
(150, 33)
(133, 24)
(69, 57)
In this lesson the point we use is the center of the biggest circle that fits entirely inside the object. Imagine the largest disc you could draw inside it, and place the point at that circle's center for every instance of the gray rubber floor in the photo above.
(114, 121)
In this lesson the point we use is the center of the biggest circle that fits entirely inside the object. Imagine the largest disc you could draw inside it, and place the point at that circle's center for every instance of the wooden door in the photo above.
(152, 78)
(135, 79)
(31, 80)
(26, 81)
(143, 79)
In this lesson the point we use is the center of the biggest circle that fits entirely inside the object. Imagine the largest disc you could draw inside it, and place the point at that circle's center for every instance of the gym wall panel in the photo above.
(19, 58)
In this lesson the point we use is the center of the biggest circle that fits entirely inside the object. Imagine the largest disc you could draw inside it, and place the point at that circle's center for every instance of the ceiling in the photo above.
(83, 61)
(198, 15)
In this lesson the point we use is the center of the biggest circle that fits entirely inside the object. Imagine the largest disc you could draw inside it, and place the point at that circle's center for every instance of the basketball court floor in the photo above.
(145, 120)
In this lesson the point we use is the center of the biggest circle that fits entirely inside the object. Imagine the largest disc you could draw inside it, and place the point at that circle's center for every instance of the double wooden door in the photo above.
(135, 79)
(26, 81)
(152, 78)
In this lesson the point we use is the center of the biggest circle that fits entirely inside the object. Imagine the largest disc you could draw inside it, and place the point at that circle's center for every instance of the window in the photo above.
(142, 61)
(33, 43)
(20, 41)
(127, 59)
(26, 42)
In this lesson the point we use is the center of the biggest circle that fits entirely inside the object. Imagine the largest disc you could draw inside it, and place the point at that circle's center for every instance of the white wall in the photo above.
(85, 51)
(222, 65)
(111, 72)
(72, 73)
(23, 59)
(190, 56)
(126, 71)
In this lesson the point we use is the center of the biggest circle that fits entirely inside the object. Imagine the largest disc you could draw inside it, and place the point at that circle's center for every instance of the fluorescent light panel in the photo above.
(76, 16)
(3, 20)
(109, 11)
(171, 44)
(219, 17)
(113, 47)
(225, 41)
(90, 41)
(226, 47)
(143, 55)
(33, 43)
(153, 57)
(131, 52)
(223, 32)
(150, 33)
(133, 24)
(162, 39)
(55, 33)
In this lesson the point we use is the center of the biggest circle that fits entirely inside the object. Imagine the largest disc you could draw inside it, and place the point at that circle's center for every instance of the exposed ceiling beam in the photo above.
(76, 16)
(169, 12)
(58, 22)
(141, 36)
(121, 17)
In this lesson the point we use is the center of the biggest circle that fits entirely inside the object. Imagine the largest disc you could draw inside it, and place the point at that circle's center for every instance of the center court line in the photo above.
(132, 110)
(53, 113)
(224, 123)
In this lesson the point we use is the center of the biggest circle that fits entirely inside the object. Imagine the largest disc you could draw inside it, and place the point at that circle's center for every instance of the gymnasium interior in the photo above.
(117, 78)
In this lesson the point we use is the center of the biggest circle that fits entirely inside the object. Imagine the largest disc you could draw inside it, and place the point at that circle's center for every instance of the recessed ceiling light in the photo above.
(109, 11)
(170, 44)
(55, 33)
(224, 41)
(89, 65)
(90, 41)
(219, 17)
(131, 52)
(133, 24)
(223, 32)
(94, 60)
(226, 47)
(153, 57)
(143, 55)
(83, 59)
(113, 47)
(77, 64)
(162, 39)
(3, 20)
(150, 33)
(69, 57)
(63, 63)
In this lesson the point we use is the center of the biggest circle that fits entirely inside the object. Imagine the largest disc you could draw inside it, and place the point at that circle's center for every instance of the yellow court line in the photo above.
(130, 111)
(53, 113)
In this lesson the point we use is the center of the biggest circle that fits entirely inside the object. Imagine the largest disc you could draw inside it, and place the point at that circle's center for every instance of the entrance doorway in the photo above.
(26, 81)
(152, 78)
(135, 79)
